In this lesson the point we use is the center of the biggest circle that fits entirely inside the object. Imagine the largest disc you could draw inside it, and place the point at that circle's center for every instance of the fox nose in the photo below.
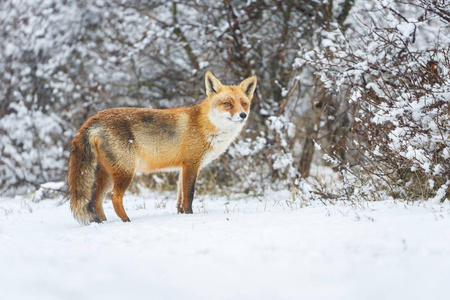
(243, 115)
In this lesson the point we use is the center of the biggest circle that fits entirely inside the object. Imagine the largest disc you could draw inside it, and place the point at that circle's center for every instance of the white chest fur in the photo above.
(219, 144)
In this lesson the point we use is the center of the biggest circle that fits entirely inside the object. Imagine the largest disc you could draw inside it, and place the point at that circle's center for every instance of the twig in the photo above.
(285, 101)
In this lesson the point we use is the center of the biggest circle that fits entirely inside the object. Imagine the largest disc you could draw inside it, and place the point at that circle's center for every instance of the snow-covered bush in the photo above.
(264, 160)
(62, 61)
(35, 150)
(281, 131)
(396, 71)
(372, 78)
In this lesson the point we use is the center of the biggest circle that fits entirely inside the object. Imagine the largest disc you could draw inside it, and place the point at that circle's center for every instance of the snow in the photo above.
(238, 248)
(407, 29)
(53, 185)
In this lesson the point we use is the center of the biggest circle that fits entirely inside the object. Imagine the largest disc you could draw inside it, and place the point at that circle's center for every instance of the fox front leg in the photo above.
(188, 176)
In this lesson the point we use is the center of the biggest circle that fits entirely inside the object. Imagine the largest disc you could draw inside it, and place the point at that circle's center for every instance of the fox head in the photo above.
(230, 105)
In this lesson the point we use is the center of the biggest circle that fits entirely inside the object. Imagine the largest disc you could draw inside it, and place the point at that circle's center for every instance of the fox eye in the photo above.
(244, 104)
(228, 104)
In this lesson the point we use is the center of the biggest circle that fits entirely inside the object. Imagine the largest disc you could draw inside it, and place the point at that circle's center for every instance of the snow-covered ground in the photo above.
(229, 249)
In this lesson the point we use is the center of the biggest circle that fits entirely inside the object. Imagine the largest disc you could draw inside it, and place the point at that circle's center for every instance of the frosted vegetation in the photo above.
(362, 87)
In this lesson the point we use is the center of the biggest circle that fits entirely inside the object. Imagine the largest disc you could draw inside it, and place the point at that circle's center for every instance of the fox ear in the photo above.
(213, 84)
(248, 86)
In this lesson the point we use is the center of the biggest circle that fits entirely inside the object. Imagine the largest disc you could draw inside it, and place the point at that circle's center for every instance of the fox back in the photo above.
(114, 144)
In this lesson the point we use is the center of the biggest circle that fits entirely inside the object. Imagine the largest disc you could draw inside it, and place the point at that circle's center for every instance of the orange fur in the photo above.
(112, 145)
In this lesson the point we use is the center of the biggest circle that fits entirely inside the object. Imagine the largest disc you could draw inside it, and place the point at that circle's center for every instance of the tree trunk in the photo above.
(312, 124)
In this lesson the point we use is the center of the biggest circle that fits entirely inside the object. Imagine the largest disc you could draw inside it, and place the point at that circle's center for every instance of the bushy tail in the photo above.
(81, 179)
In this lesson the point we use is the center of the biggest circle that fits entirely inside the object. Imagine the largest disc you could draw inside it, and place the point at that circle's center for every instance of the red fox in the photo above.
(115, 143)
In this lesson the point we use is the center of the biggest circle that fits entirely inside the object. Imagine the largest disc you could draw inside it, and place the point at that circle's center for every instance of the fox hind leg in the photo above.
(122, 181)
(104, 185)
